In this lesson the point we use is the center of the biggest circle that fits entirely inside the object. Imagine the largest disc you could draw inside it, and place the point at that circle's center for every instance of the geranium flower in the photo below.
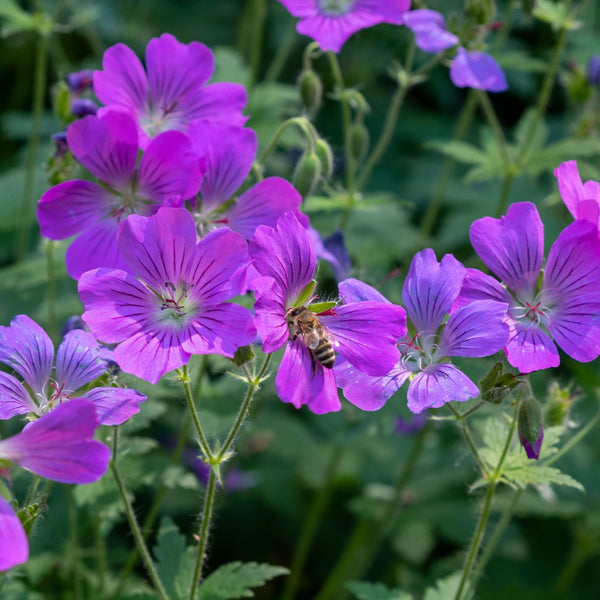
(332, 22)
(582, 199)
(27, 348)
(429, 293)
(172, 92)
(173, 302)
(227, 153)
(58, 446)
(563, 309)
(363, 333)
(472, 69)
(167, 174)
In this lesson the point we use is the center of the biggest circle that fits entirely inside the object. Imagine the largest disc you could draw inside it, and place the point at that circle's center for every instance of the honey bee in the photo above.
(302, 322)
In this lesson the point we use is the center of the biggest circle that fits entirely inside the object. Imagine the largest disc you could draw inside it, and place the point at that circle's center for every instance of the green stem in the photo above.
(494, 123)
(209, 499)
(460, 131)
(100, 545)
(133, 524)
(485, 513)
(39, 91)
(504, 195)
(574, 440)
(313, 518)
(304, 124)
(74, 544)
(202, 439)
(258, 16)
(466, 432)
(283, 51)
(367, 535)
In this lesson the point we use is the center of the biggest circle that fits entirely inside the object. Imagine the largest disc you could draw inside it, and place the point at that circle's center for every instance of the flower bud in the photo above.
(560, 400)
(359, 139)
(243, 355)
(593, 70)
(307, 173)
(80, 81)
(323, 151)
(530, 423)
(82, 107)
(311, 90)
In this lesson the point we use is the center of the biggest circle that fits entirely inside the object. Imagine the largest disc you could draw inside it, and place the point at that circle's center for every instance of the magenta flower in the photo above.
(363, 333)
(167, 174)
(563, 309)
(227, 153)
(472, 69)
(58, 446)
(582, 199)
(173, 302)
(332, 22)
(172, 92)
(27, 348)
(475, 330)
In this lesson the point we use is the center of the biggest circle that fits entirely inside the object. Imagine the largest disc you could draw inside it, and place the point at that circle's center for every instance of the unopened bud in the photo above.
(311, 90)
(307, 173)
(80, 81)
(593, 70)
(243, 355)
(359, 139)
(323, 151)
(530, 423)
(558, 405)
(82, 107)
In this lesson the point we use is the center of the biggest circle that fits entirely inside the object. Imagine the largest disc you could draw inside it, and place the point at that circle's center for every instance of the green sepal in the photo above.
(27, 515)
(306, 294)
(320, 307)
(243, 355)
(62, 102)
(496, 385)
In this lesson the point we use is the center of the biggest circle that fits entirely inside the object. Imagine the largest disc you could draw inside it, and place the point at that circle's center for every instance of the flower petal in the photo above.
(477, 329)
(79, 360)
(431, 288)
(366, 333)
(219, 102)
(72, 206)
(263, 204)
(14, 548)
(477, 70)
(430, 30)
(438, 384)
(530, 349)
(582, 201)
(301, 380)
(14, 398)
(270, 308)
(354, 290)
(512, 247)
(107, 146)
(27, 348)
(114, 405)
(367, 391)
(59, 445)
(479, 286)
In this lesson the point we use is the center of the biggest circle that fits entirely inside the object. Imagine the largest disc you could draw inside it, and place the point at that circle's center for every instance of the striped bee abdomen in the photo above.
(324, 353)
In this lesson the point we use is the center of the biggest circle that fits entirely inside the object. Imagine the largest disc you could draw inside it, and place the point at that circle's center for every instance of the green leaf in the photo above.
(169, 552)
(445, 589)
(363, 590)
(517, 469)
(459, 151)
(555, 13)
(235, 579)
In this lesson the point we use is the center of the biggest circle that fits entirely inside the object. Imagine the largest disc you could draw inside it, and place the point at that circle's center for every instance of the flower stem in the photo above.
(367, 534)
(39, 91)
(75, 562)
(202, 440)
(313, 518)
(485, 512)
(283, 51)
(133, 524)
(464, 429)
(302, 122)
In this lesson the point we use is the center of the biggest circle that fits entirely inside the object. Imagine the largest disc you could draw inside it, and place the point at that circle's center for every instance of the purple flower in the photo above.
(476, 330)
(430, 30)
(593, 69)
(582, 199)
(227, 153)
(14, 548)
(333, 250)
(363, 333)
(172, 92)
(563, 309)
(58, 446)
(83, 107)
(175, 302)
(26, 348)
(477, 70)
(79, 81)
(167, 174)
(472, 69)
(332, 22)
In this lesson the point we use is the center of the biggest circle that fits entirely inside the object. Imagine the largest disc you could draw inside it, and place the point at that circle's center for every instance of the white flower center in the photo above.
(336, 7)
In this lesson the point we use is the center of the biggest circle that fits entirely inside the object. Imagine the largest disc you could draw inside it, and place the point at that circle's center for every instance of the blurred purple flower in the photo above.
(27, 348)
(363, 333)
(332, 22)
(564, 310)
(404, 427)
(167, 174)
(333, 250)
(593, 70)
(80, 81)
(227, 153)
(476, 330)
(582, 199)
(172, 92)
(58, 446)
(175, 302)
(60, 143)
(83, 107)
(429, 27)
